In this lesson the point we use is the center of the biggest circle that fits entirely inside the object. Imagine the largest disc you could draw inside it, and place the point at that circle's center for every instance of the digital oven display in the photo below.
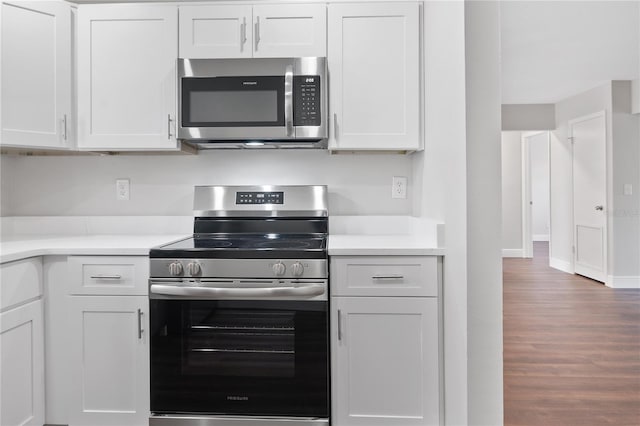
(260, 197)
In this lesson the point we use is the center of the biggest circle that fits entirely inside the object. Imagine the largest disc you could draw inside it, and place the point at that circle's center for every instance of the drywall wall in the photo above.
(484, 244)
(539, 160)
(623, 160)
(163, 184)
(512, 244)
(528, 117)
(6, 168)
(624, 212)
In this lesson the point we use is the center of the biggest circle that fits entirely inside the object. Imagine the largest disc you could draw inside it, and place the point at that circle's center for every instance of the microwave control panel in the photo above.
(306, 100)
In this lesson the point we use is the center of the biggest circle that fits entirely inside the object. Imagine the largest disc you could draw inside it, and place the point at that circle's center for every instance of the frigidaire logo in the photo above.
(237, 398)
(250, 83)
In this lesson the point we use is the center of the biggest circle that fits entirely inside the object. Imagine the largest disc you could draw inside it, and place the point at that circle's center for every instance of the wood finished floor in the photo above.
(571, 348)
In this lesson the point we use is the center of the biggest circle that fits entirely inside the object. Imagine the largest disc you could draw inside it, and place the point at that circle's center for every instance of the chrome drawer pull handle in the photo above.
(140, 329)
(388, 277)
(339, 325)
(106, 277)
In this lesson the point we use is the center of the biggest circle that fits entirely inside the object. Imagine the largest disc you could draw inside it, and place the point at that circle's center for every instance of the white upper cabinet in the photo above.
(36, 74)
(127, 77)
(244, 31)
(215, 31)
(289, 30)
(374, 70)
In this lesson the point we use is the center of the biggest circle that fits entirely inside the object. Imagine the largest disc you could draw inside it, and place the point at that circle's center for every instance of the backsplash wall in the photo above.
(163, 184)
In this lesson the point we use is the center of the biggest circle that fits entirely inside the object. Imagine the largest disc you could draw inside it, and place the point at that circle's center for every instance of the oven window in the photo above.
(233, 101)
(239, 357)
(232, 342)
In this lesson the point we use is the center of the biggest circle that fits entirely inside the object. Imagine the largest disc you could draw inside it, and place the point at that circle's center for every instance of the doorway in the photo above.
(536, 209)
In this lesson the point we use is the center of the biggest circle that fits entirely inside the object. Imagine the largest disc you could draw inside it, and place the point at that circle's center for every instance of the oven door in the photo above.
(239, 357)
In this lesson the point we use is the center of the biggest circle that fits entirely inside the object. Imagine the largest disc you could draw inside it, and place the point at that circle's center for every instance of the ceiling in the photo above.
(552, 50)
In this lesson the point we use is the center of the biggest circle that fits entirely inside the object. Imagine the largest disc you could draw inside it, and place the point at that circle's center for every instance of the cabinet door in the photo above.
(22, 361)
(385, 361)
(215, 31)
(289, 30)
(127, 76)
(36, 74)
(374, 67)
(109, 358)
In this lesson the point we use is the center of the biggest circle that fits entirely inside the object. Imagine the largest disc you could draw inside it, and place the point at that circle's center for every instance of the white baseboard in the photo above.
(512, 253)
(561, 265)
(540, 237)
(623, 282)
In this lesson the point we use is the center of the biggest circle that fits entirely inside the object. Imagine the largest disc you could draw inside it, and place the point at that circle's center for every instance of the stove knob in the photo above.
(175, 268)
(297, 269)
(279, 268)
(194, 268)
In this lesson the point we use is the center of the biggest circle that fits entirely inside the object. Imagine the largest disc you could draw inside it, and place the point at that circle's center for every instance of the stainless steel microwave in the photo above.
(253, 102)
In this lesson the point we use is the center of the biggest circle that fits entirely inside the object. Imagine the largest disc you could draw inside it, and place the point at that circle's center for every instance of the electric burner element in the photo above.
(286, 244)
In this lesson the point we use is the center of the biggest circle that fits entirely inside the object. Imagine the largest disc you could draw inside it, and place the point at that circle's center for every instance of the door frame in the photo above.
(605, 239)
(527, 209)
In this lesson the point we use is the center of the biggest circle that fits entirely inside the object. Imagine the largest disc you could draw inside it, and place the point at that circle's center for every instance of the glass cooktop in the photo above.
(244, 246)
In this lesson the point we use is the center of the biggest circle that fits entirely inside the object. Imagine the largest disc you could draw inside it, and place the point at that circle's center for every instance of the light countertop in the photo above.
(21, 247)
(382, 245)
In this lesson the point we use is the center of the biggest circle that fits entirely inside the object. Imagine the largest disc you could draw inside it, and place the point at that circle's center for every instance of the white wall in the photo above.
(528, 117)
(6, 167)
(539, 159)
(163, 184)
(624, 213)
(512, 194)
(623, 161)
(484, 242)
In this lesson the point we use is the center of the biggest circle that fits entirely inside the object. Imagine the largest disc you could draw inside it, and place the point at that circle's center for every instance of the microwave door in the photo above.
(235, 108)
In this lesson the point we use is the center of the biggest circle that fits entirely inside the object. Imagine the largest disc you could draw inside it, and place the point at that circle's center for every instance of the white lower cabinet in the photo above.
(385, 349)
(109, 358)
(22, 366)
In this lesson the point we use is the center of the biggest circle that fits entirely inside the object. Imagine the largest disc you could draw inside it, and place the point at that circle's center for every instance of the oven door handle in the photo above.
(307, 290)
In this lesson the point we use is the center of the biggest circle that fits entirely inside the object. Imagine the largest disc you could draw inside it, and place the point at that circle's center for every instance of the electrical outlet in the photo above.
(399, 187)
(122, 189)
(627, 189)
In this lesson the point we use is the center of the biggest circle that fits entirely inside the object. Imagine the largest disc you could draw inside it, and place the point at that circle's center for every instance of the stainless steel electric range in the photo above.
(239, 311)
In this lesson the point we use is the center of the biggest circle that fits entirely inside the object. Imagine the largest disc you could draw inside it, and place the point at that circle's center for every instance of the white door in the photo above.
(127, 76)
(217, 31)
(22, 366)
(36, 74)
(384, 361)
(589, 195)
(374, 70)
(109, 358)
(289, 30)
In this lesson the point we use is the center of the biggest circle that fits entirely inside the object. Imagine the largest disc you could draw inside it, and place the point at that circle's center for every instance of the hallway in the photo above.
(571, 348)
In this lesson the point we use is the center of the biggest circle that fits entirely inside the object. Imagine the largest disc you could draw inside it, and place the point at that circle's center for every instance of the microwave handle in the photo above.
(288, 99)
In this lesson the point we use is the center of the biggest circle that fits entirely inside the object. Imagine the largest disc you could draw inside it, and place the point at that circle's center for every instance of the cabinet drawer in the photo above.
(384, 276)
(108, 275)
(20, 281)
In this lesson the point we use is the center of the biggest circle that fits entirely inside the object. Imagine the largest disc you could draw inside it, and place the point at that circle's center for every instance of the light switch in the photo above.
(627, 189)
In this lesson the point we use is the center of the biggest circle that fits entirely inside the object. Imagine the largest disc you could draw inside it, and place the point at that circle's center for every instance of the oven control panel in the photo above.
(259, 197)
